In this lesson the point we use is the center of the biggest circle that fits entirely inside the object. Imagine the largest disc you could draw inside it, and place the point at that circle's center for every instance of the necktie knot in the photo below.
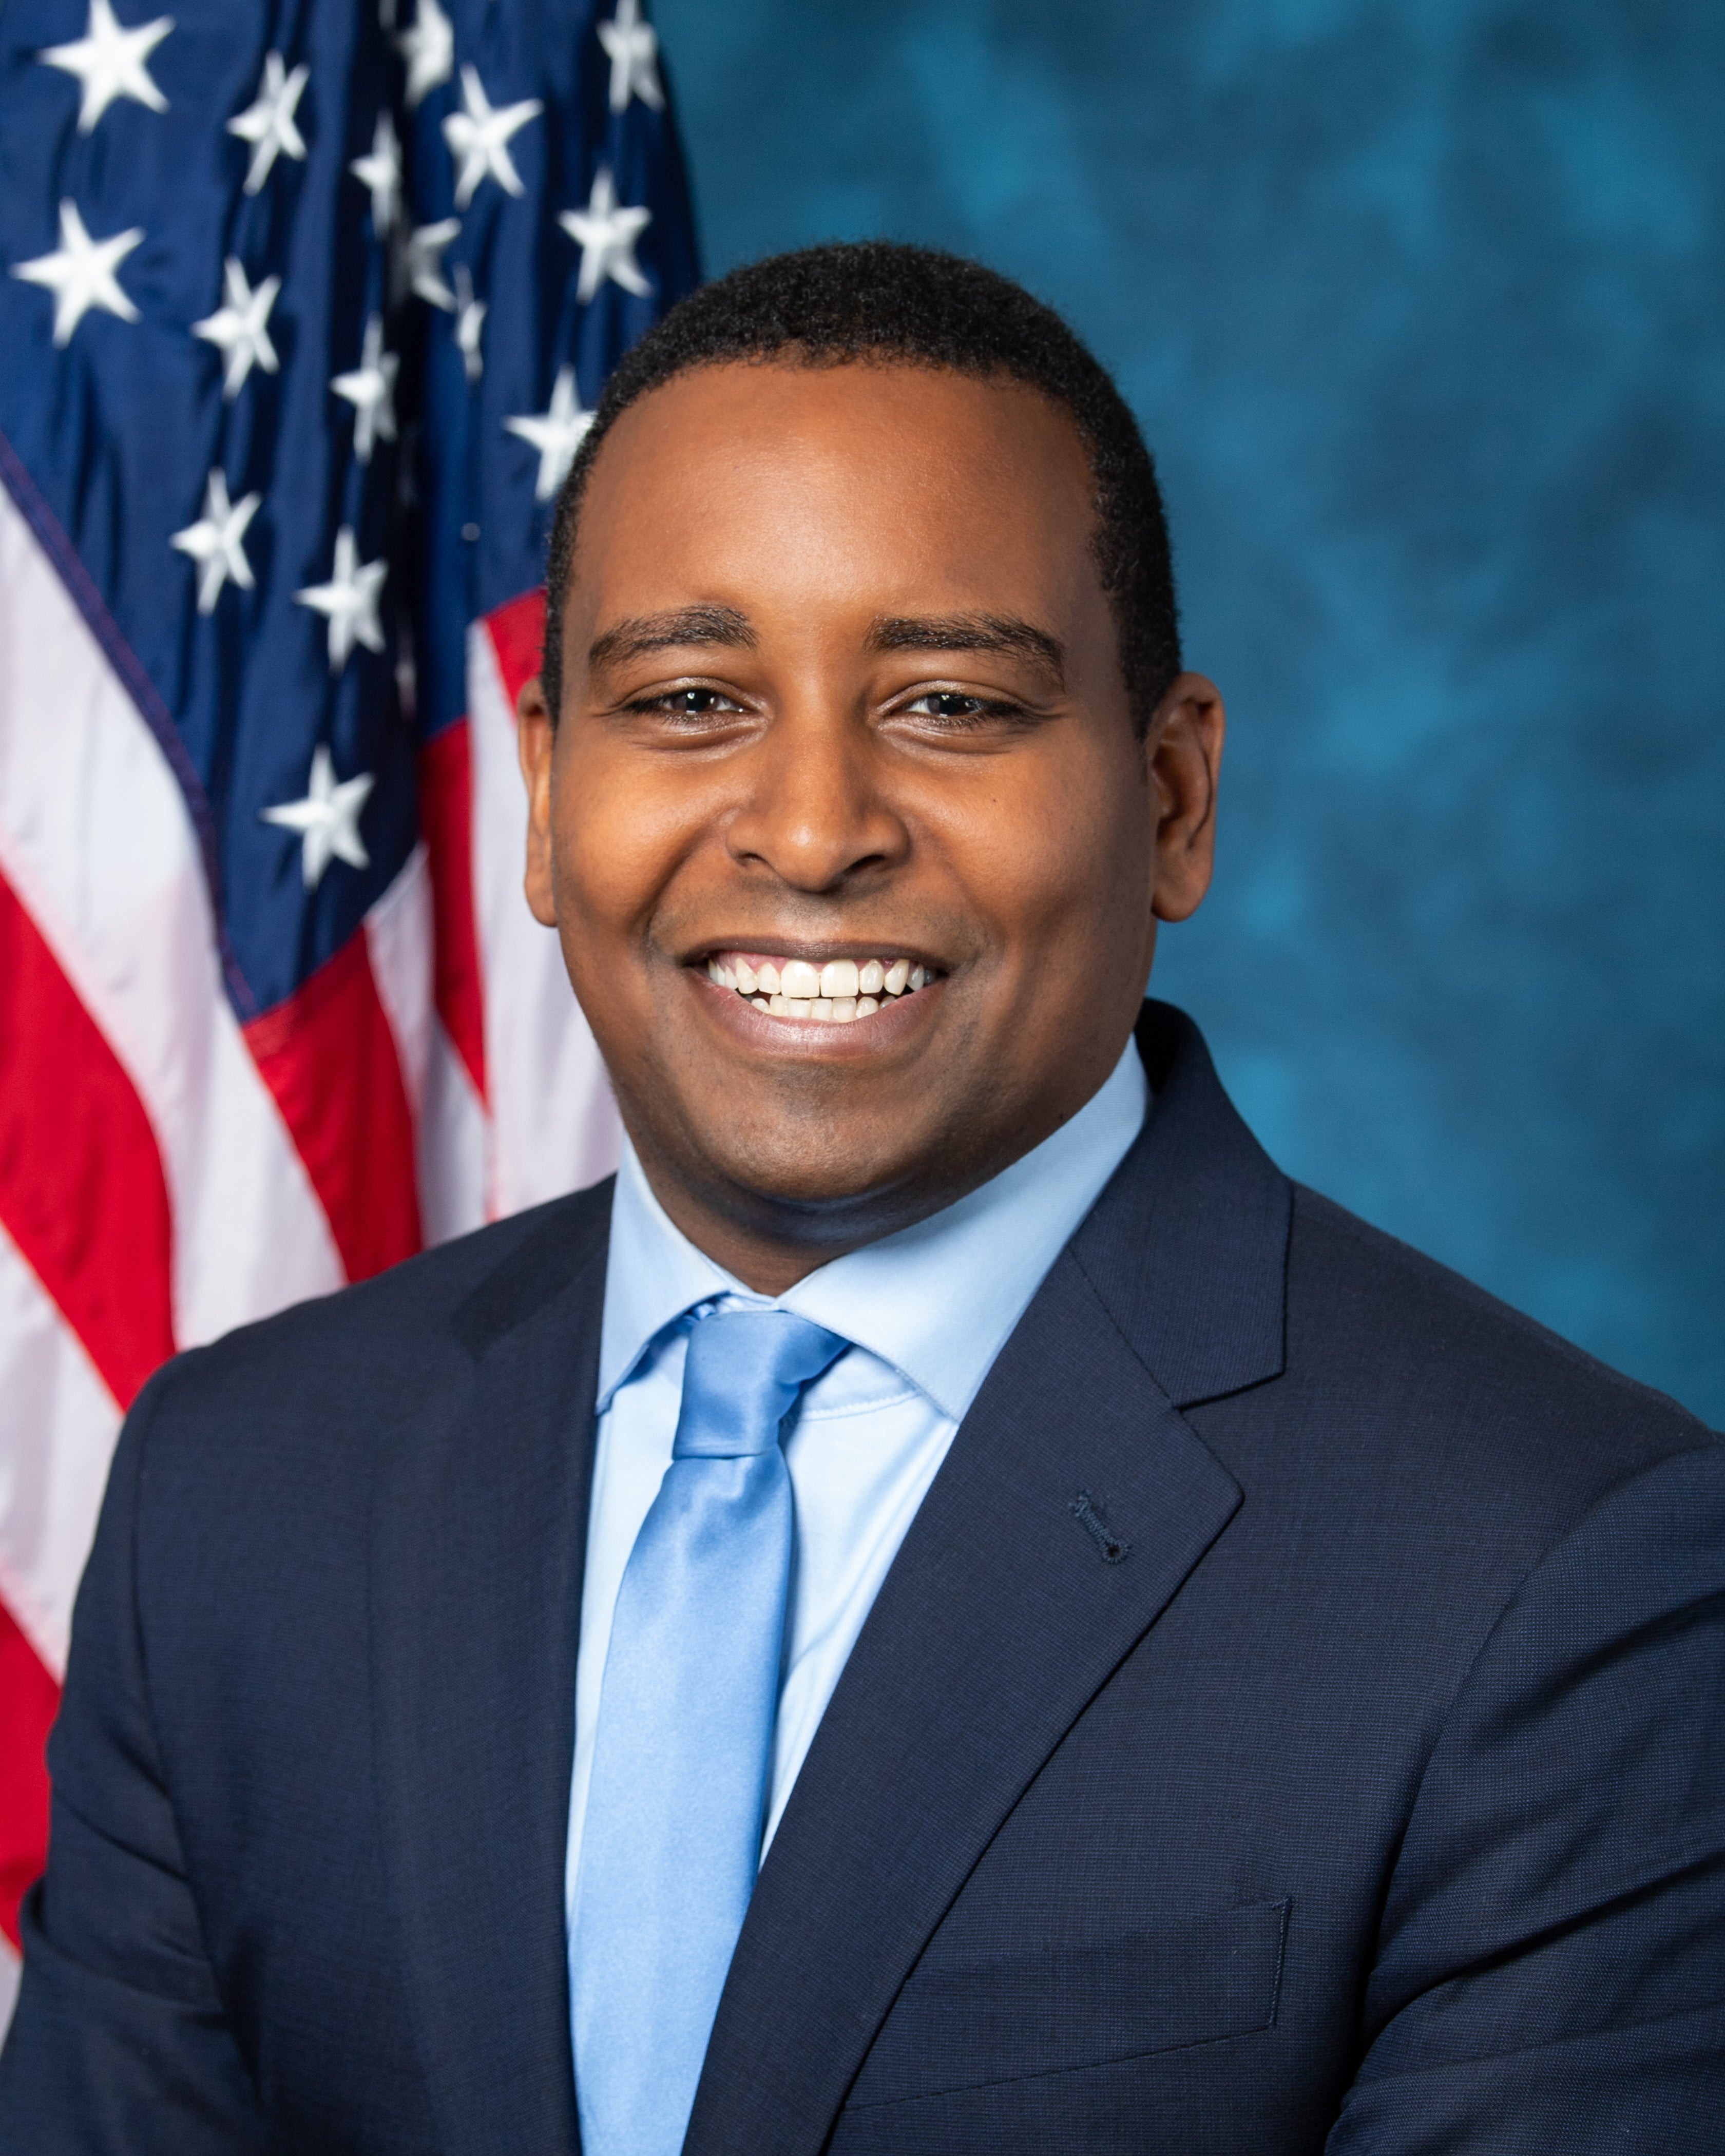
(745, 1372)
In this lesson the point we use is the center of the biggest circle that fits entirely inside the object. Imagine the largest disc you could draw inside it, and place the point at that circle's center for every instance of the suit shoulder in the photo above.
(396, 1328)
(1404, 1335)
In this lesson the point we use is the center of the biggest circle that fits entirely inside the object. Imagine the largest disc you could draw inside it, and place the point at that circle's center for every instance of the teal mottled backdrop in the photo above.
(1421, 308)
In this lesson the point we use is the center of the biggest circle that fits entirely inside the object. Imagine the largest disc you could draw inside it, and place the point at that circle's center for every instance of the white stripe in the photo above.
(95, 837)
(449, 1122)
(399, 944)
(454, 1135)
(60, 1430)
(10, 1968)
(554, 1124)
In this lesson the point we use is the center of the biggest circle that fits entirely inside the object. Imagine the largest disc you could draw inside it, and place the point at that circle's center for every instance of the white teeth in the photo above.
(837, 993)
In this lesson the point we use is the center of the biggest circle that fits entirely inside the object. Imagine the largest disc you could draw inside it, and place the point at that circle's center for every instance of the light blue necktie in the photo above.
(677, 1804)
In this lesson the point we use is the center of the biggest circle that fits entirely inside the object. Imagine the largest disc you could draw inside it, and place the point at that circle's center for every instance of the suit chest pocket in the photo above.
(1182, 1980)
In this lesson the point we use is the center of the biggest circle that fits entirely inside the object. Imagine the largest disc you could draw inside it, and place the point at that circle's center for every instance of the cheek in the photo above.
(1058, 849)
(617, 839)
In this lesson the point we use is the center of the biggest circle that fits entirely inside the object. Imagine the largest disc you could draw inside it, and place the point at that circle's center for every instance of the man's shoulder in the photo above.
(1417, 1362)
(387, 1343)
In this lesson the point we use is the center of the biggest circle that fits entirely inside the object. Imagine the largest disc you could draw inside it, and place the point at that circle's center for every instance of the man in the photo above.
(1191, 1674)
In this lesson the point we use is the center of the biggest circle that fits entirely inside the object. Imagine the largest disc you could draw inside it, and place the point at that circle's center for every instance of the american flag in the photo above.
(305, 305)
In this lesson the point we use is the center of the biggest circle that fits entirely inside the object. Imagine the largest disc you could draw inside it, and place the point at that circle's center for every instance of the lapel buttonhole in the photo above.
(1113, 1547)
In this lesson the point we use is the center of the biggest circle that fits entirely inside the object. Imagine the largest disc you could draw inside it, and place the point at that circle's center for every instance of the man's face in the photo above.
(843, 691)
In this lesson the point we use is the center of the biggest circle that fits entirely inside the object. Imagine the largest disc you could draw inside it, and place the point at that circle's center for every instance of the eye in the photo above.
(955, 711)
(693, 702)
(688, 704)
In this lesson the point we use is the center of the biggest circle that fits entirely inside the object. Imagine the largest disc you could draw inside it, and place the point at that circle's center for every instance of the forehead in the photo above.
(891, 484)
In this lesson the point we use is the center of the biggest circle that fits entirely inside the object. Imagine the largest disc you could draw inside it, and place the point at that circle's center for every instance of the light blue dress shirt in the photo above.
(927, 1311)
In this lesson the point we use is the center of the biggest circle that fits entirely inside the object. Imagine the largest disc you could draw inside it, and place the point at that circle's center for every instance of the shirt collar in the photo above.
(937, 1301)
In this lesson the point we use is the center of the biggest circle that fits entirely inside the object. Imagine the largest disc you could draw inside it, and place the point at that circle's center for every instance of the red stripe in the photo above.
(446, 824)
(82, 1190)
(329, 1057)
(29, 1699)
(517, 633)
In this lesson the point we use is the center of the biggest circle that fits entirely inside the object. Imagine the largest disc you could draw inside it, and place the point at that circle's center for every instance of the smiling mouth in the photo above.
(835, 992)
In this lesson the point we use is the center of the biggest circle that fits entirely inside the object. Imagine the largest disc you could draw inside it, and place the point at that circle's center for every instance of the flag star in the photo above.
(606, 236)
(381, 171)
(80, 272)
(370, 389)
(268, 123)
(327, 819)
(425, 272)
(634, 49)
(479, 136)
(110, 62)
(240, 327)
(555, 433)
(349, 601)
(429, 49)
(216, 542)
(470, 321)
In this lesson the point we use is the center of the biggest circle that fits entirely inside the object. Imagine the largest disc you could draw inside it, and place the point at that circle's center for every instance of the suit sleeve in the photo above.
(119, 2045)
(1551, 1972)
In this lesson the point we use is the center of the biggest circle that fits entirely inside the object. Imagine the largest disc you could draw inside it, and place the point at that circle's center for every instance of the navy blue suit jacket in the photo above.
(1293, 1722)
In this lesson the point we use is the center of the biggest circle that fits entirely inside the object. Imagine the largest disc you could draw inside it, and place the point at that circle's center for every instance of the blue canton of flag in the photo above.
(304, 309)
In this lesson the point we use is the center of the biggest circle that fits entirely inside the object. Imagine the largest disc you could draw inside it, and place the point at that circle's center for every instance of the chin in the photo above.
(824, 1189)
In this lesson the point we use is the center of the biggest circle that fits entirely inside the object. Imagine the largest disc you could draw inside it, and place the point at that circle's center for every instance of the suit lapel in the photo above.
(1073, 1503)
(1002, 1616)
(478, 1539)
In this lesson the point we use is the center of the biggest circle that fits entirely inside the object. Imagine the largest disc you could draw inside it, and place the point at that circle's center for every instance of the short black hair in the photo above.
(878, 300)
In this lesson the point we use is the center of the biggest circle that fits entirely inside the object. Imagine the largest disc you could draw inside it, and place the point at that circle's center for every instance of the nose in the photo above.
(817, 813)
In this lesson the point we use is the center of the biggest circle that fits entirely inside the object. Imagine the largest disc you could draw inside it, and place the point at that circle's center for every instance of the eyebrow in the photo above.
(971, 632)
(643, 634)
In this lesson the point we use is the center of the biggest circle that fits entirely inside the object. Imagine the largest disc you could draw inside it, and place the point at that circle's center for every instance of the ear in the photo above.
(1183, 751)
(536, 743)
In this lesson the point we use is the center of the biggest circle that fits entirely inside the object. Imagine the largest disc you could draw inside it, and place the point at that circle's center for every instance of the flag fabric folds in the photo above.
(304, 309)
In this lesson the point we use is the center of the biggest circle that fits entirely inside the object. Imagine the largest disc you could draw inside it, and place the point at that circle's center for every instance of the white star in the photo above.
(556, 434)
(429, 49)
(370, 389)
(606, 236)
(349, 600)
(268, 123)
(479, 137)
(328, 819)
(80, 272)
(469, 323)
(110, 62)
(425, 273)
(216, 542)
(381, 171)
(240, 327)
(633, 48)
